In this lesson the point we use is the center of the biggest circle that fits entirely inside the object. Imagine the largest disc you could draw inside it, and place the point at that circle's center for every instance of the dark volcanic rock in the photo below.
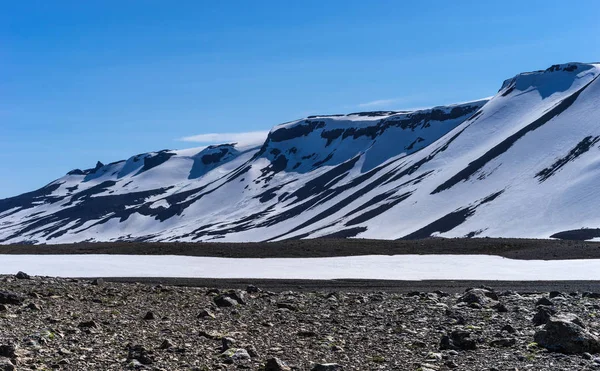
(458, 340)
(478, 296)
(140, 354)
(564, 336)
(542, 315)
(275, 364)
(11, 298)
(22, 276)
(327, 367)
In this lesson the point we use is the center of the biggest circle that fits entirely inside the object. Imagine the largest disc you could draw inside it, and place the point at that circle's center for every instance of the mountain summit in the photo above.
(525, 163)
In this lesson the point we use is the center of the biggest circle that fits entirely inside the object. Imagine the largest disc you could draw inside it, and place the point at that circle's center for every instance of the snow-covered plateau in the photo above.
(523, 163)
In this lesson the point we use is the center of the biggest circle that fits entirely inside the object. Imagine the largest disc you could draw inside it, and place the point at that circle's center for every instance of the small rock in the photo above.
(22, 276)
(140, 354)
(458, 340)
(205, 313)
(543, 315)
(251, 289)
(88, 324)
(544, 301)
(554, 294)
(251, 349)
(327, 367)
(227, 343)
(234, 355)
(166, 344)
(501, 308)
(33, 307)
(98, 282)
(451, 364)
(478, 296)
(149, 316)
(508, 328)
(3, 308)
(8, 350)
(275, 364)
(230, 299)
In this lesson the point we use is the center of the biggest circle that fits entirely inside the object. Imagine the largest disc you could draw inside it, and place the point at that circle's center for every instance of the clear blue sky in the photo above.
(82, 81)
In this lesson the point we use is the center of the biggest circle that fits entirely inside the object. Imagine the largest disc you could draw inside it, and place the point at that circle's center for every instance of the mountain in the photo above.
(524, 163)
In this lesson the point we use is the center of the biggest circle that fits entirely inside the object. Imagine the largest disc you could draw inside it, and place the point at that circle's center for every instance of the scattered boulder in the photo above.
(98, 282)
(22, 276)
(230, 299)
(275, 364)
(544, 301)
(88, 324)
(561, 334)
(149, 316)
(458, 340)
(205, 313)
(11, 298)
(251, 289)
(227, 343)
(478, 296)
(140, 354)
(234, 355)
(34, 307)
(542, 315)
(8, 350)
(166, 344)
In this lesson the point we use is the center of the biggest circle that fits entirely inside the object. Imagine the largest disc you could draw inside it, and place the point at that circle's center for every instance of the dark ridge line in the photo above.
(502, 147)
(582, 147)
(449, 221)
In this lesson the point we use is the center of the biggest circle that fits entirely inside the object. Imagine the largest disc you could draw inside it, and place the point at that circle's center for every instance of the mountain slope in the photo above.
(521, 164)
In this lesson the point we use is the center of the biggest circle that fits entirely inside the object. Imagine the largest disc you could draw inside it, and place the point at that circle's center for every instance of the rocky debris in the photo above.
(458, 340)
(11, 298)
(22, 276)
(85, 327)
(562, 334)
(275, 364)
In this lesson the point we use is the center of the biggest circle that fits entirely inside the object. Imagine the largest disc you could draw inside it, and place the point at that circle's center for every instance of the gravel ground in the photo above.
(52, 323)
(510, 248)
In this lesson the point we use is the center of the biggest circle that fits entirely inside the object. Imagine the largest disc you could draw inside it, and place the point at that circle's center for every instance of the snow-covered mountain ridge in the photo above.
(524, 163)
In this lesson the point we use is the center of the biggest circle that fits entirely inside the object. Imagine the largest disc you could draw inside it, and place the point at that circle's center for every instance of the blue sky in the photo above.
(82, 81)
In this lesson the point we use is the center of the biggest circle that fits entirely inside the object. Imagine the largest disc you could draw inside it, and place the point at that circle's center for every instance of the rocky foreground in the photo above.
(52, 323)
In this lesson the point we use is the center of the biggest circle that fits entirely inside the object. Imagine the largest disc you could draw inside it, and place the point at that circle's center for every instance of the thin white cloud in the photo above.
(249, 137)
(379, 103)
